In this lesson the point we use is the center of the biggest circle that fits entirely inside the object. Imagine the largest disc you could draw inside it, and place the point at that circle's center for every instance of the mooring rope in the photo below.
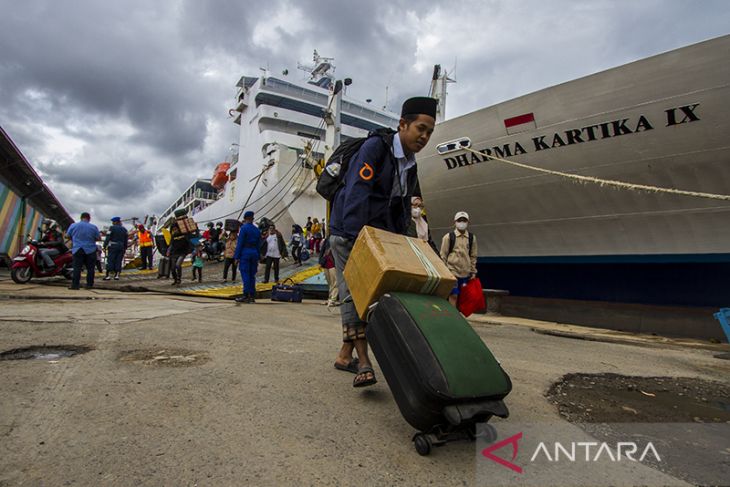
(605, 182)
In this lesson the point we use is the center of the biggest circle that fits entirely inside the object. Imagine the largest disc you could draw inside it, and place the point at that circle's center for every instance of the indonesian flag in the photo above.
(520, 123)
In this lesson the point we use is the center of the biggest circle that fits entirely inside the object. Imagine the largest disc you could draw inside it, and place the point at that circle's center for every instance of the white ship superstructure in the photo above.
(282, 137)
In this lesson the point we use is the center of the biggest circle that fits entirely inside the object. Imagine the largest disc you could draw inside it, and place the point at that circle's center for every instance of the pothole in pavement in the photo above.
(167, 357)
(614, 398)
(43, 352)
(687, 419)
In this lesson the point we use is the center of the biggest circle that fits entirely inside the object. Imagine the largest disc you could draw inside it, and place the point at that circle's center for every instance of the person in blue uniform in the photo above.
(378, 186)
(115, 244)
(247, 256)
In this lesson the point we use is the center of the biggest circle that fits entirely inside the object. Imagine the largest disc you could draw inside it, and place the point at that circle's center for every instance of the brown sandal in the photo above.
(362, 371)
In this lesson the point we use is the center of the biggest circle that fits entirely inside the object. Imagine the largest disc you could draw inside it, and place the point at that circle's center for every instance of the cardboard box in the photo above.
(382, 262)
(187, 225)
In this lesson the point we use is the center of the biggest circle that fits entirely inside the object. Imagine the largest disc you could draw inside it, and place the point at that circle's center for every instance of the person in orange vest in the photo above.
(146, 245)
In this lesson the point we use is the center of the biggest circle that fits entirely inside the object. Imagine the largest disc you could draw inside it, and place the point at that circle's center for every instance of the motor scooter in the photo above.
(29, 264)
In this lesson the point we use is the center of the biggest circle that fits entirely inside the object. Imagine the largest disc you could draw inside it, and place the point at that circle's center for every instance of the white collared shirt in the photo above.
(404, 164)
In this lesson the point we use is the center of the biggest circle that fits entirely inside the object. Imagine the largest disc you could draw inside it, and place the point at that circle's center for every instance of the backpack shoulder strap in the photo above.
(452, 241)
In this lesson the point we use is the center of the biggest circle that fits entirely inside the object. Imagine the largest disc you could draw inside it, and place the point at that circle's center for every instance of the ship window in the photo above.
(453, 145)
(309, 136)
(232, 175)
(359, 123)
(313, 110)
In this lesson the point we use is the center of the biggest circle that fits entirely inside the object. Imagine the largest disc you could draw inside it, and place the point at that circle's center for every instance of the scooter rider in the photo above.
(51, 244)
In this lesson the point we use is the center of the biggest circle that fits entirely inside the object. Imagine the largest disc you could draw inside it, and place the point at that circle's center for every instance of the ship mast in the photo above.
(332, 116)
(438, 91)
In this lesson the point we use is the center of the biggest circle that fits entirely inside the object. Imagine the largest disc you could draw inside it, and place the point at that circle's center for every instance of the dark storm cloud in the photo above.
(222, 25)
(121, 105)
(115, 180)
(109, 59)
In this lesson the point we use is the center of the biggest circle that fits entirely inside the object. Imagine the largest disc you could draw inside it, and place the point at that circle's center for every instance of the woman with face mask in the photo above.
(459, 251)
(418, 226)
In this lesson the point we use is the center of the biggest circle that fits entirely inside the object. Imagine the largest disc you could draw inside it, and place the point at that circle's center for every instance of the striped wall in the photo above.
(11, 216)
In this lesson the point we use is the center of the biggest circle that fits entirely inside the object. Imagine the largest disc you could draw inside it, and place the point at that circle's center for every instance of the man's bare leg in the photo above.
(345, 355)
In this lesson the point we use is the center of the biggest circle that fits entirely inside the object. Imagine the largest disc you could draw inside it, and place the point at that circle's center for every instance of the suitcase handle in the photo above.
(371, 308)
(370, 311)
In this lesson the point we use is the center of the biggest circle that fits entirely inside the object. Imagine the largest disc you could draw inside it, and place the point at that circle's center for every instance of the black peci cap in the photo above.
(420, 105)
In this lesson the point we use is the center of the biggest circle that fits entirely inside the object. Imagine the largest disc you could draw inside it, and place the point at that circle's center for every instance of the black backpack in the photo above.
(330, 182)
(452, 241)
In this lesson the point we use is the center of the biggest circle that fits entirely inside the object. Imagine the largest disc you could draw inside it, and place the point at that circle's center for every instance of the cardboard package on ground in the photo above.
(187, 225)
(382, 262)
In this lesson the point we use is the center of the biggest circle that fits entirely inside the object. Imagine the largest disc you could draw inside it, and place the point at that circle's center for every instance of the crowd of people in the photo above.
(112, 246)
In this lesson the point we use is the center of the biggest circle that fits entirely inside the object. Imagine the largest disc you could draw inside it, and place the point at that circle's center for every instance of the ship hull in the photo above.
(661, 121)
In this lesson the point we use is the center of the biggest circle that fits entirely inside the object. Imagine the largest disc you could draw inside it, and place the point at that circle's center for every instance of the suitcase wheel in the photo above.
(422, 443)
(487, 432)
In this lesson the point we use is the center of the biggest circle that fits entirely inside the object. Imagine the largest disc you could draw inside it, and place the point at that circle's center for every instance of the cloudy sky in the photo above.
(121, 105)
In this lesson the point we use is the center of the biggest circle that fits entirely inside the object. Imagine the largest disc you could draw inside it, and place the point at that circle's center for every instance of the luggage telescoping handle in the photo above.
(372, 307)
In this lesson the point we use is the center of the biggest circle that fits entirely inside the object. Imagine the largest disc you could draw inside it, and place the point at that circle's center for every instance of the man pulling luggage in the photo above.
(377, 189)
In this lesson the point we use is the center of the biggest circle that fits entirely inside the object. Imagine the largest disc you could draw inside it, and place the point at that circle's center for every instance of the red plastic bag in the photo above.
(471, 297)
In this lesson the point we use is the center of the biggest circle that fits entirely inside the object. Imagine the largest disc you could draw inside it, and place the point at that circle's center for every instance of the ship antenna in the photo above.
(323, 67)
(439, 81)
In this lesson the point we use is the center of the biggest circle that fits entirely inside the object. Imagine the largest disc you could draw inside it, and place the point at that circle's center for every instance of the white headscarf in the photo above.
(421, 223)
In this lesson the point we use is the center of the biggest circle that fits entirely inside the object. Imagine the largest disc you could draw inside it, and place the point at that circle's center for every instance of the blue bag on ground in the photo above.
(287, 293)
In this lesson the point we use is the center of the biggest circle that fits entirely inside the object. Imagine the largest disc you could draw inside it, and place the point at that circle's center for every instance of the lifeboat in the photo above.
(220, 178)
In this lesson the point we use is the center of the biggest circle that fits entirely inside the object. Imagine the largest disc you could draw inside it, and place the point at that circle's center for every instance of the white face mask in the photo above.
(461, 226)
(416, 212)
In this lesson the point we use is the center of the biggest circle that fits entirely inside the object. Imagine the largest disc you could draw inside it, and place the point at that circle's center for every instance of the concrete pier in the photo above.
(185, 390)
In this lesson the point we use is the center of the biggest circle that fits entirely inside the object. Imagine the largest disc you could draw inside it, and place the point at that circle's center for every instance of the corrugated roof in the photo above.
(17, 173)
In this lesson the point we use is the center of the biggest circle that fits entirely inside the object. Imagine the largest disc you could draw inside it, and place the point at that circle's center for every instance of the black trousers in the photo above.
(229, 262)
(296, 253)
(269, 261)
(146, 257)
(82, 259)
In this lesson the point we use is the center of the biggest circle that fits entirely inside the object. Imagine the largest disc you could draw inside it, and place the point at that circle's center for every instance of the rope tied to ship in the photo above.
(603, 182)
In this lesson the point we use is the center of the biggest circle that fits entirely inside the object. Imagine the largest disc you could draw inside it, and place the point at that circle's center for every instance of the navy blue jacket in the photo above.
(365, 198)
(116, 236)
(249, 241)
